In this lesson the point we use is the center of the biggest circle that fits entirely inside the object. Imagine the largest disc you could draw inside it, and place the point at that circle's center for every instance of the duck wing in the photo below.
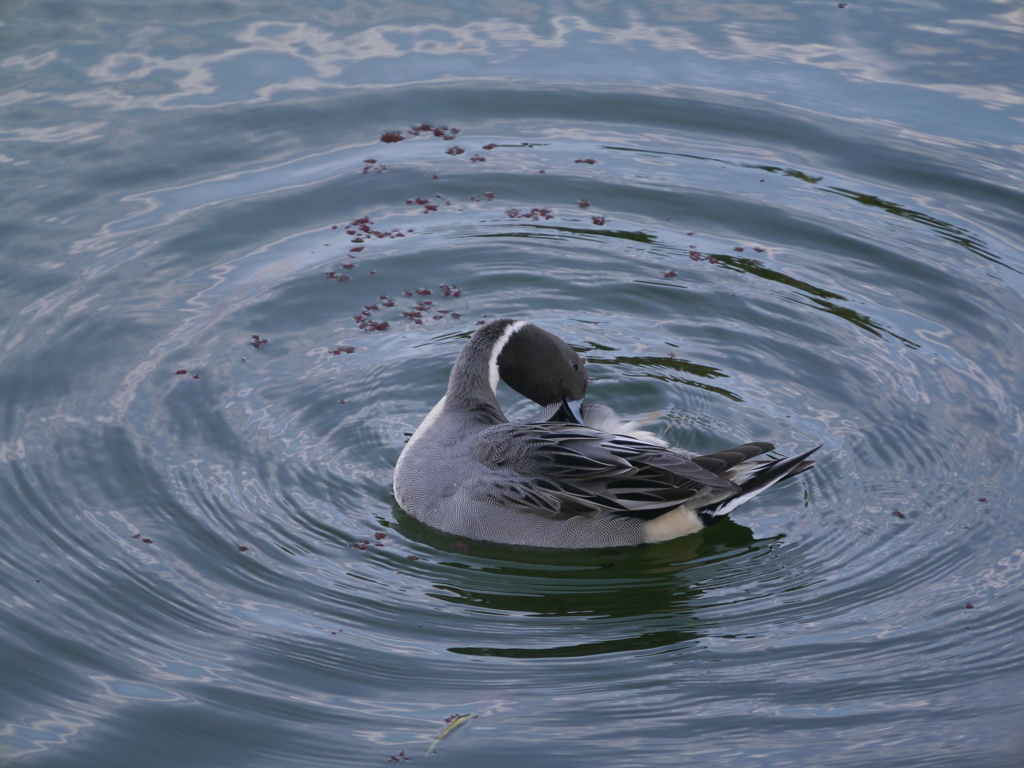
(558, 470)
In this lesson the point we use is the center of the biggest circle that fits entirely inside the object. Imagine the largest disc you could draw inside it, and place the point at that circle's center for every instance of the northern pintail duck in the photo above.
(576, 476)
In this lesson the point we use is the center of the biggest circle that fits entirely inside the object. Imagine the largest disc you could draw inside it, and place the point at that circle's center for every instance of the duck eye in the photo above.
(575, 365)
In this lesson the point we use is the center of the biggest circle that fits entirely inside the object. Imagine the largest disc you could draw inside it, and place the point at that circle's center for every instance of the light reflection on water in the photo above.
(779, 238)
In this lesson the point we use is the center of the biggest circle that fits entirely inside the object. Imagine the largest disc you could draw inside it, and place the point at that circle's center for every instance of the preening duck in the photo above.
(576, 476)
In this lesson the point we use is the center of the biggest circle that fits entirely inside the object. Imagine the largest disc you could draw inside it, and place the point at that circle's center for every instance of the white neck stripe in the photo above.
(499, 345)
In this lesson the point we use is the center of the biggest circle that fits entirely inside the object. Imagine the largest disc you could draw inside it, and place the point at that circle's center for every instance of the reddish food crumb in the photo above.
(413, 557)
(535, 214)
(392, 137)
(759, 250)
(968, 606)
(599, 220)
(454, 151)
(346, 350)
(488, 146)
(422, 291)
(258, 342)
(379, 536)
(243, 549)
(195, 375)
(137, 535)
(360, 545)
(983, 499)
(588, 161)
(584, 203)
(671, 273)
(900, 515)
(370, 161)
(348, 266)
(147, 541)
(182, 372)
(334, 227)
(478, 159)
(689, 234)
(738, 248)
(357, 249)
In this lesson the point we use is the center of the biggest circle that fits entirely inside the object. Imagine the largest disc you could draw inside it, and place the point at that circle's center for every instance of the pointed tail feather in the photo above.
(762, 479)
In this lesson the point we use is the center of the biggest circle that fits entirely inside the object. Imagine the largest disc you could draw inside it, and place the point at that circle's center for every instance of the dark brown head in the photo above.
(541, 366)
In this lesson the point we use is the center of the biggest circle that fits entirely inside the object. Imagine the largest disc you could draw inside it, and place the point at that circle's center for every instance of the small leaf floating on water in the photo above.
(392, 137)
(181, 372)
(671, 273)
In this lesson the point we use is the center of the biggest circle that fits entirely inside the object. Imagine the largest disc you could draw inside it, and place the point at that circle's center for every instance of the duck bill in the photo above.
(569, 411)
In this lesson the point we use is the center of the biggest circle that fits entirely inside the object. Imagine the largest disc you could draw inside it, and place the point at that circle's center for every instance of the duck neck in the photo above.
(474, 378)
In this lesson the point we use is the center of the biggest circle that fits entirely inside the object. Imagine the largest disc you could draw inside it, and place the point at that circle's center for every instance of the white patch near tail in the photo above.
(681, 521)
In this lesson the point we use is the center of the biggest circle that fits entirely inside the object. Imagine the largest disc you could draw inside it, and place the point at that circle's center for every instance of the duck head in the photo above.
(541, 366)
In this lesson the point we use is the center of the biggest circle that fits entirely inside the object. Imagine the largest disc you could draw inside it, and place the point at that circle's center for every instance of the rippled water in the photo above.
(792, 222)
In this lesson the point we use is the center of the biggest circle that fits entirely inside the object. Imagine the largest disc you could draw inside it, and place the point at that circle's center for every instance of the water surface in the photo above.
(794, 222)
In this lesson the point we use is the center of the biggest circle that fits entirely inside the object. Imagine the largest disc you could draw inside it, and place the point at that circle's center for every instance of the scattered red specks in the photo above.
(360, 545)
(340, 350)
(535, 214)
(599, 220)
(137, 535)
(983, 499)
(738, 249)
(371, 307)
(413, 557)
(588, 161)
(456, 314)
(392, 137)
(969, 606)
(407, 293)
(478, 159)
(147, 541)
(584, 203)
(334, 227)
(371, 161)
(481, 322)
(379, 536)
(541, 171)
(671, 273)
(429, 207)
(689, 234)
(243, 549)
(348, 266)
(759, 250)
(257, 341)
(195, 375)
(423, 291)
(489, 146)
(900, 515)
(181, 372)
(697, 256)
(484, 196)
(357, 249)
(400, 757)
(454, 151)
(375, 166)
(451, 291)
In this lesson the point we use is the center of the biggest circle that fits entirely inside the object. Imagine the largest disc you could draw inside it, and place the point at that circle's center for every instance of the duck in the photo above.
(575, 476)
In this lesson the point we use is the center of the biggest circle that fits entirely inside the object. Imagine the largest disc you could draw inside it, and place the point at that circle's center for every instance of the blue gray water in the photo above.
(791, 221)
